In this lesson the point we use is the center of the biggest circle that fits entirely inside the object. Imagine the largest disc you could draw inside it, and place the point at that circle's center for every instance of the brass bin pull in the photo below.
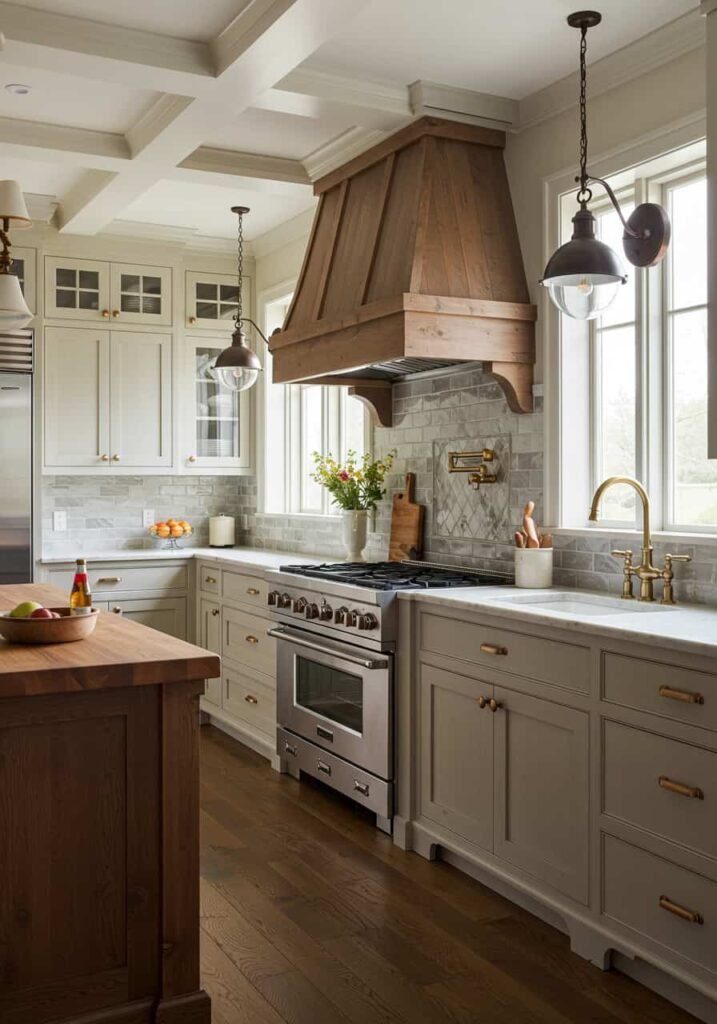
(251, 639)
(253, 591)
(691, 916)
(210, 579)
(251, 699)
(482, 702)
(493, 649)
(683, 695)
(109, 579)
(694, 792)
(494, 705)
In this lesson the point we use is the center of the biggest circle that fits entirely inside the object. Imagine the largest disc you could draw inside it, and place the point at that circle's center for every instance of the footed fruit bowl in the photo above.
(61, 630)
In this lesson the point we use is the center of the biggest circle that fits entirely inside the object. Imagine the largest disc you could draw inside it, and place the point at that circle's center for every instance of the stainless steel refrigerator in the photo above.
(16, 472)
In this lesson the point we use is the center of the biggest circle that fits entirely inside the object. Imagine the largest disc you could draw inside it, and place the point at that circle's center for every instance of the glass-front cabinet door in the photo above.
(141, 295)
(212, 301)
(220, 420)
(23, 266)
(77, 289)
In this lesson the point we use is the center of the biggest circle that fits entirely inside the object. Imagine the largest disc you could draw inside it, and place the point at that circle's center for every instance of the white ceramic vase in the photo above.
(354, 524)
(534, 568)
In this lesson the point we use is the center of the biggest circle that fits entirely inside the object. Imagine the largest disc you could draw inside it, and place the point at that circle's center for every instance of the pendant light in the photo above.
(584, 276)
(14, 311)
(238, 366)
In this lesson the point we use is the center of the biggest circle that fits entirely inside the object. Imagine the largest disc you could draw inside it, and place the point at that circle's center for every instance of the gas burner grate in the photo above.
(397, 575)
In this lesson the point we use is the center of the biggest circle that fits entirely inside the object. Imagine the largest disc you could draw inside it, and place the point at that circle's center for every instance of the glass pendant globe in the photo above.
(585, 296)
(236, 378)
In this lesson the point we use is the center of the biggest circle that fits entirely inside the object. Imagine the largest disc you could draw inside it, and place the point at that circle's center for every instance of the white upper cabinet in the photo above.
(107, 400)
(211, 301)
(24, 265)
(217, 431)
(124, 293)
(141, 295)
(77, 289)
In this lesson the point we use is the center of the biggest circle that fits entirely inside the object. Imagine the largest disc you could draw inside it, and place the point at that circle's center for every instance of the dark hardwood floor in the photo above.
(311, 916)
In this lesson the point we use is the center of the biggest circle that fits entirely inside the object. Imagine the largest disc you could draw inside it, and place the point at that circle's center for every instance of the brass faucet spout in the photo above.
(645, 571)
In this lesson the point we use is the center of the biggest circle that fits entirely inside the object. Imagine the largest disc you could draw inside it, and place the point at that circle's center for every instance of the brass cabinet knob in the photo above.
(116, 458)
(252, 591)
(191, 458)
(251, 639)
(494, 705)
(192, 319)
(106, 314)
(493, 649)
(105, 458)
(482, 702)
(115, 314)
(251, 699)
(215, 611)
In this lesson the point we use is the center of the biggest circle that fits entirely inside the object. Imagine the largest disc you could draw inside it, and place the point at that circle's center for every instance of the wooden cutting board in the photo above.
(406, 524)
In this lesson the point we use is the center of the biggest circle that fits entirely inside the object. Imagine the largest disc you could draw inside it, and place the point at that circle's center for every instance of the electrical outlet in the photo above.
(59, 521)
(147, 516)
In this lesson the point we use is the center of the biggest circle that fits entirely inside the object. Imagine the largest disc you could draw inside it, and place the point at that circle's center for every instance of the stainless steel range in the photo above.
(336, 643)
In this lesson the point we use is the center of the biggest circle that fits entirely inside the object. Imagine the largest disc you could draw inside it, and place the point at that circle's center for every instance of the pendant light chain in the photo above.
(584, 193)
(240, 268)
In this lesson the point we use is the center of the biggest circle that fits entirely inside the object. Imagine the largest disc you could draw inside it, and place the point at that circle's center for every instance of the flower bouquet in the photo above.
(356, 486)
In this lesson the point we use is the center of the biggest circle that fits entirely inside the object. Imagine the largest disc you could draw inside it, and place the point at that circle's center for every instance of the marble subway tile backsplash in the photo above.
(465, 408)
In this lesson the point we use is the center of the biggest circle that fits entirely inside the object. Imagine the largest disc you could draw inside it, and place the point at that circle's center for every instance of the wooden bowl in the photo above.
(48, 631)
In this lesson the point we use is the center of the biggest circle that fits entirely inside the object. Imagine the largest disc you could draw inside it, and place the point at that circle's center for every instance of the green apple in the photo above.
(24, 610)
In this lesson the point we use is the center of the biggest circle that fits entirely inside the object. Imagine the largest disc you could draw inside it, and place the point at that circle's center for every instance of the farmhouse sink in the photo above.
(580, 604)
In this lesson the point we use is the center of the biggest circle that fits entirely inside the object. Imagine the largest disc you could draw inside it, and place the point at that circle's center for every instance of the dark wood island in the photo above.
(99, 820)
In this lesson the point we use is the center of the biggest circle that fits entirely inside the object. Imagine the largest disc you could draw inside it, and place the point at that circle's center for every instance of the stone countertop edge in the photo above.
(691, 629)
(250, 557)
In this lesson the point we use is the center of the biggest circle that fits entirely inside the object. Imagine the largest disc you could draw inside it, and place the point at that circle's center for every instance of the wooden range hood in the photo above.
(413, 263)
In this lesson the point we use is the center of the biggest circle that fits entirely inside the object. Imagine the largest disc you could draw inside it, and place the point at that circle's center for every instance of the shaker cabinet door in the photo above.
(77, 289)
(542, 791)
(141, 295)
(166, 614)
(76, 397)
(456, 754)
(141, 400)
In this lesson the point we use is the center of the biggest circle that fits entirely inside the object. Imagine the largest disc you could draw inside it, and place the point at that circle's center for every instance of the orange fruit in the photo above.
(184, 524)
(163, 530)
(176, 530)
(171, 522)
(160, 523)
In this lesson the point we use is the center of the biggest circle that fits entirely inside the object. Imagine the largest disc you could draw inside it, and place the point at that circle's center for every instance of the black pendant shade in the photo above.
(585, 255)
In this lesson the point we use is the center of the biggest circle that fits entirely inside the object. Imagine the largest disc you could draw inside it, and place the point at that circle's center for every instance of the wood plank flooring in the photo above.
(312, 916)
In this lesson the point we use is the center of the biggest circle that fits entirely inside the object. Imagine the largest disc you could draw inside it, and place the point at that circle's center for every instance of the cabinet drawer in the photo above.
(680, 693)
(636, 881)
(249, 590)
(549, 661)
(244, 641)
(661, 784)
(110, 579)
(249, 700)
(209, 579)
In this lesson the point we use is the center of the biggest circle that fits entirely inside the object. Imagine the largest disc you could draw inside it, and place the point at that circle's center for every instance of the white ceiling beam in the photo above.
(140, 60)
(38, 141)
(212, 161)
(340, 150)
(431, 99)
(286, 34)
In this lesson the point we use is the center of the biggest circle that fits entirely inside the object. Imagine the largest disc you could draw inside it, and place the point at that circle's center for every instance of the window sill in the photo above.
(658, 536)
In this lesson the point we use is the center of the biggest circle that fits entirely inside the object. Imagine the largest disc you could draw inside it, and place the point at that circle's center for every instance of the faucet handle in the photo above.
(668, 594)
(677, 558)
(627, 573)
(627, 555)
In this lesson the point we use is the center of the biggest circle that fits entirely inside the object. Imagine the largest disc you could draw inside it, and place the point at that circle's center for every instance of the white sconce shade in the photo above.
(14, 311)
(12, 204)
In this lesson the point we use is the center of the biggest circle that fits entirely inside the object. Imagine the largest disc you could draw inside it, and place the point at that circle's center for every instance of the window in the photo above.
(301, 419)
(644, 378)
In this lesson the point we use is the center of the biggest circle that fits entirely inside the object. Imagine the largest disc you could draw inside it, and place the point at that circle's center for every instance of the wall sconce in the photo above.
(479, 474)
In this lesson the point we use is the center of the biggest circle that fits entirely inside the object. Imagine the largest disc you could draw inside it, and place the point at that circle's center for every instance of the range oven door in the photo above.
(338, 696)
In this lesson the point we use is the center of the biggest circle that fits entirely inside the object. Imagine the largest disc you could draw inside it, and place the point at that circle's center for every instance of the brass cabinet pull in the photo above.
(253, 591)
(109, 579)
(492, 649)
(210, 579)
(694, 792)
(683, 695)
(251, 639)
(494, 705)
(692, 916)
(215, 611)
(117, 610)
(251, 699)
(482, 701)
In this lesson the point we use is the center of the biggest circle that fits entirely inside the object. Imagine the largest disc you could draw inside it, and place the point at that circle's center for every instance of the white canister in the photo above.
(534, 568)
(221, 532)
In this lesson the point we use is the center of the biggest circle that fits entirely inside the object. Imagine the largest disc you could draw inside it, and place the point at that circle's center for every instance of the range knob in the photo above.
(367, 621)
(352, 618)
(326, 613)
(299, 605)
(273, 597)
(341, 615)
(284, 601)
(312, 611)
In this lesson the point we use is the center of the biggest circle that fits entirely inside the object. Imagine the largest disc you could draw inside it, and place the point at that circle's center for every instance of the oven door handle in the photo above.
(296, 638)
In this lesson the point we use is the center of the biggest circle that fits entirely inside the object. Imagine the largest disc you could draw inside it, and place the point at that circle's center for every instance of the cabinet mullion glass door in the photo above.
(212, 301)
(141, 295)
(76, 289)
(221, 421)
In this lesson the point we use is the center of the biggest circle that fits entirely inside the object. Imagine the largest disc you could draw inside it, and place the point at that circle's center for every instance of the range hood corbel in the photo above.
(413, 264)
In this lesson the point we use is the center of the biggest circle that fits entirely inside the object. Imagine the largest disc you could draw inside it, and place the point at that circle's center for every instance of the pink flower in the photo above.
(343, 475)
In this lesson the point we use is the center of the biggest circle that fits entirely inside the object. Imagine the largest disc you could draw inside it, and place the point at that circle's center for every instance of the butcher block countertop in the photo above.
(119, 653)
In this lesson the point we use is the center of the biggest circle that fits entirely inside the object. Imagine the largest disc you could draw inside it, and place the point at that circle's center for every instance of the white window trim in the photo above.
(564, 340)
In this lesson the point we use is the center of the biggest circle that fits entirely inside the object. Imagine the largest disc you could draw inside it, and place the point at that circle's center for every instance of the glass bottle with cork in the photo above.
(81, 595)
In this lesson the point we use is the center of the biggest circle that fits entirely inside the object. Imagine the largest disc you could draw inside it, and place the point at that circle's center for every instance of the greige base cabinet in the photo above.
(574, 773)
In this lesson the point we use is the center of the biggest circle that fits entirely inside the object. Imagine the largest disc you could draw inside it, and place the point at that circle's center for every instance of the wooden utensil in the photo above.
(519, 539)
(529, 526)
(406, 541)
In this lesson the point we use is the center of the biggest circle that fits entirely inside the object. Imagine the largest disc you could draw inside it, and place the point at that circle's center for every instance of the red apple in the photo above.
(41, 613)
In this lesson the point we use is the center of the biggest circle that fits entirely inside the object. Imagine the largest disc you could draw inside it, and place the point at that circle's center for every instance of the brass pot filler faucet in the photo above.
(645, 571)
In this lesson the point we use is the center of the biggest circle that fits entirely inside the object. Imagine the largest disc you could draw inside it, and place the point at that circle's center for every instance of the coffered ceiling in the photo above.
(169, 112)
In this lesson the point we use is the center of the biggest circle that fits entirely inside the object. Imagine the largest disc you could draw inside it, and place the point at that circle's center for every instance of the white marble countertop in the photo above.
(250, 557)
(688, 628)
